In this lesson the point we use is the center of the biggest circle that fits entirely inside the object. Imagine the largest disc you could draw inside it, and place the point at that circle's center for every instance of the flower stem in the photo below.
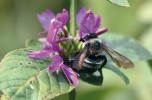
(72, 18)
(72, 95)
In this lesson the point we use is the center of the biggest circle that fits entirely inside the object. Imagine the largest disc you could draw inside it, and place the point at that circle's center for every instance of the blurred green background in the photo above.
(18, 22)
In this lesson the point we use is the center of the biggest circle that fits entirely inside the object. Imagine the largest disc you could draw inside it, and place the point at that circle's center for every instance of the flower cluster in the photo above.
(53, 26)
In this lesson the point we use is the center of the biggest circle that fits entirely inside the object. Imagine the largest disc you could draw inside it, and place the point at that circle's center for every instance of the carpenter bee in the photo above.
(93, 58)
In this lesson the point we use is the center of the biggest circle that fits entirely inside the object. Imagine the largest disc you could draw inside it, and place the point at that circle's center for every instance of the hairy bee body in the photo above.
(93, 60)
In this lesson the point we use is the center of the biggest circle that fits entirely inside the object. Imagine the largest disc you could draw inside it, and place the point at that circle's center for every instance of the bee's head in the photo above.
(88, 37)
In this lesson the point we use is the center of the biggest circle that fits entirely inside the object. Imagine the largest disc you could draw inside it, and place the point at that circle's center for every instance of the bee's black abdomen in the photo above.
(94, 63)
(90, 64)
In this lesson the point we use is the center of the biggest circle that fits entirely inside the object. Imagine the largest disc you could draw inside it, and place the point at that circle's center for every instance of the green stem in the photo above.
(72, 18)
(72, 95)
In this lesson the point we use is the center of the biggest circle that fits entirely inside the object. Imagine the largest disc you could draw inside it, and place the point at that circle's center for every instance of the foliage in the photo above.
(22, 77)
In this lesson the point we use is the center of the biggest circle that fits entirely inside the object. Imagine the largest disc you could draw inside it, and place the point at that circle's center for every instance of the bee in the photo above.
(93, 58)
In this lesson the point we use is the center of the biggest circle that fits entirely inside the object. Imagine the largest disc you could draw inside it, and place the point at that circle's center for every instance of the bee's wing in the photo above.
(78, 62)
(118, 58)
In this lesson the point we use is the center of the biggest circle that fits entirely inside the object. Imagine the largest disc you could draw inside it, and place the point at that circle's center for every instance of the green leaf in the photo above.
(95, 79)
(124, 3)
(126, 46)
(23, 78)
(34, 44)
(118, 72)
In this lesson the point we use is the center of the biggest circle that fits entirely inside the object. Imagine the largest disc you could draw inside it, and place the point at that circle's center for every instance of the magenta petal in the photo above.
(54, 66)
(52, 46)
(89, 24)
(71, 76)
(57, 61)
(45, 18)
(89, 21)
(86, 24)
(44, 40)
(56, 58)
(57, 24)
(53, 31)
(101, 31)
(63, 17)
(41, 54)
(97, 23)
(48, 46)
(56, 47)
(49, 14)
(51, 34)
(80, 15)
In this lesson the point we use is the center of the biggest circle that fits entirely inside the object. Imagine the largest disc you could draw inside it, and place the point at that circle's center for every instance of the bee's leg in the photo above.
(72, 58)
(101, 78)
(104, 62)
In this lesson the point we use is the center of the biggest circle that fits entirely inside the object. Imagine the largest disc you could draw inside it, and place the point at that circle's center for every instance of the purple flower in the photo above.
(53, 25)
(56, 25)
(88, 23)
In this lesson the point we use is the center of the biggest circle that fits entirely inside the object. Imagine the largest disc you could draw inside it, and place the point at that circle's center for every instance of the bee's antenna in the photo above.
(85, 27)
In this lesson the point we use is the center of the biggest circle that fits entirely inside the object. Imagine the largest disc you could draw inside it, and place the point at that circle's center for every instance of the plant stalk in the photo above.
(72, 95)
(72, 18)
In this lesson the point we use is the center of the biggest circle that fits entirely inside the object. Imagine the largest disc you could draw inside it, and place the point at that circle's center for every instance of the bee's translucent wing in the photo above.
(118, 58)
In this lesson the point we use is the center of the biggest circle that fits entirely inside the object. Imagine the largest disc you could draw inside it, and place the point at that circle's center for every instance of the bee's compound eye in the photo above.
(97, 44)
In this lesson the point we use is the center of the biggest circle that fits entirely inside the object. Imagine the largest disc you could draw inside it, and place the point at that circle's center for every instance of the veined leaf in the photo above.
(124, 3)
(23, 78)
(118, 72)
(34, 44)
